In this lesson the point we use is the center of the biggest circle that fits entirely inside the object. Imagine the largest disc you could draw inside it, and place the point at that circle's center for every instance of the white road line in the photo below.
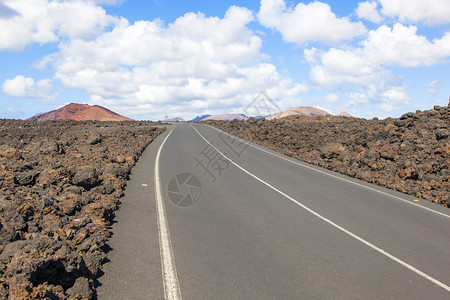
(169, 272)
(337, 177)
(394, 258)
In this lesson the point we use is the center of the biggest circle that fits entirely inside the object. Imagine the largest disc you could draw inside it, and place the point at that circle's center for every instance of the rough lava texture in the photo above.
(80, 112)
(410, 154)
(60, 183)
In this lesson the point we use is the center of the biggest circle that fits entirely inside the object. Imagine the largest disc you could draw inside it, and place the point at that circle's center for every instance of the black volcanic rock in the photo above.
(59, 188)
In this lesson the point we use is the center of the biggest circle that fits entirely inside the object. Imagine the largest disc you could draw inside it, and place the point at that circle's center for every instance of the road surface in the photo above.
(206, 216)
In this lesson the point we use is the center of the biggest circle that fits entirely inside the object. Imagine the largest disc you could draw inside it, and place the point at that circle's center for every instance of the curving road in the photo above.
(207, 216)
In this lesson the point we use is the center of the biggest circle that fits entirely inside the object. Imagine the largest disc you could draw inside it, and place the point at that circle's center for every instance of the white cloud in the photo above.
(43, 21)
(431, 12)
(194, 64)
(313, 22)
(402, 46)
(331, 98)
(26, 87)
(359, 71)
(368, 10)
(399, 46)
(362, 69)
(357, 98)
(338, 67)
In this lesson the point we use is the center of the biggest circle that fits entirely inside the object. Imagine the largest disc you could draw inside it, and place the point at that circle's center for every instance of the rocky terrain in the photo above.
(60, 183)
(410, 154)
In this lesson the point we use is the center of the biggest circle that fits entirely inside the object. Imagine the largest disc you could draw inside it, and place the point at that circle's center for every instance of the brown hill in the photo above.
(80, 112)
(299, 110)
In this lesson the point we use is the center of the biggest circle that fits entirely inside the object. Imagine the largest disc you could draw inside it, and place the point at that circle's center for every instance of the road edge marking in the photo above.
(360, 239)
(169, 273)
(304, 165)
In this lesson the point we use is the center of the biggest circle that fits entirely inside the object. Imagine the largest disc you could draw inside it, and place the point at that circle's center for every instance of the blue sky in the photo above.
(146, 59)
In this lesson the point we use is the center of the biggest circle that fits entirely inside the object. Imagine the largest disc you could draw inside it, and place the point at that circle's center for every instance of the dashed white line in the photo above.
(367, 243)
(340, 178)
(169, 272)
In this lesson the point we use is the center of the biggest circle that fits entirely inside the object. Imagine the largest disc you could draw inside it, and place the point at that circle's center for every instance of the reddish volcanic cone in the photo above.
(80, 112)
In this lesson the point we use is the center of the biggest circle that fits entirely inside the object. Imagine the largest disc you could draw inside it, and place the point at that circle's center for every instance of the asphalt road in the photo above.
(265, 226)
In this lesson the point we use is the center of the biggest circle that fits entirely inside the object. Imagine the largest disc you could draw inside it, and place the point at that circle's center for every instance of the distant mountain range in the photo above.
(80, 112)
(199, 118)
(308, 111)
(299, 110)
(221, 117)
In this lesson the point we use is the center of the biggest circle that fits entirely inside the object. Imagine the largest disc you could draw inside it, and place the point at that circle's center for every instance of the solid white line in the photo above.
(337, 177)
(169, 272)
(398, 260)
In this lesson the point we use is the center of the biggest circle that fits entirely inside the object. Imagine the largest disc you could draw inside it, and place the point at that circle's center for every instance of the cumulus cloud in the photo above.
(402, 46)
(431, 12)
(43, 21)
(26, 87)
(364, 67)
(313, 22)
(357, 99)
(368, 10)
(337, 67)
(331, 98)
(361, 70)
(192, 65)
(397, 46)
